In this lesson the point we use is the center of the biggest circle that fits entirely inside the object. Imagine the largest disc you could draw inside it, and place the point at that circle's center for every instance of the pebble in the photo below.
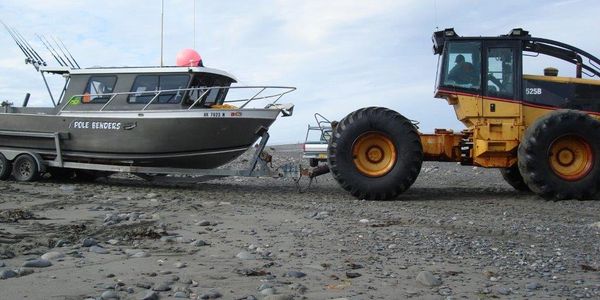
(140, 254)
(533, 286)
(112, 242)
(24, 271)
(364, 221)
(6, 274)
(88, 242)
(60, 243)
(211, 295)
(98, 250)
(426, 278)
(199, 243)
(163, 287)
(279, 297)
(503, 290)
(37, 263)
(2, 264)
(52, 255)
(109, 295)
(268, 291)
(245, 255)
(295, 274)
(180, 265)
(353, 274)
(144, 285)
(150, 295)
(203, 223)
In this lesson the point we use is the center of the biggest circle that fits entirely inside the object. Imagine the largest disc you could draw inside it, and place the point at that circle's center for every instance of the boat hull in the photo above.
(198, 139)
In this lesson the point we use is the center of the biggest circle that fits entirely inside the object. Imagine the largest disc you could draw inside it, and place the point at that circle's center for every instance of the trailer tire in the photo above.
(513, 177)
(559, 156)
(5, 167)
(375, 153)
(25, 168)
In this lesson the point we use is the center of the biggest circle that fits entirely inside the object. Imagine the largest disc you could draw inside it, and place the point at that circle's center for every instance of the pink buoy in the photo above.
(188, 58)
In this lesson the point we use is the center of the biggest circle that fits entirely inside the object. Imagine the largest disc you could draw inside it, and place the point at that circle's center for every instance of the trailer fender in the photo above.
(12, 155)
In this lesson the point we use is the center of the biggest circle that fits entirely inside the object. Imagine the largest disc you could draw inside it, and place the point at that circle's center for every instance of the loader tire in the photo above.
(375, 153)
(513, 177)
(559, 156)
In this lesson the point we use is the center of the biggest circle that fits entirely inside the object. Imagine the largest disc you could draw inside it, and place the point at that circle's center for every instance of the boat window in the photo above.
(145, 88)
(462, 65)
(98, 89)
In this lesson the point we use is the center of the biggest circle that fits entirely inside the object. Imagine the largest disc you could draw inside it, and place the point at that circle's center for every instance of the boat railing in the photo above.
(258, 93)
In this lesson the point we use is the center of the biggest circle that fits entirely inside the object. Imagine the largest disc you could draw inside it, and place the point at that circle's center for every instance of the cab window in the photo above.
(98, 89)
(145, 88)
(462, 65)
(500, 72)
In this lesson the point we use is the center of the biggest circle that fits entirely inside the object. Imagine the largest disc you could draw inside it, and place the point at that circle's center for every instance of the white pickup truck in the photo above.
(317, 139)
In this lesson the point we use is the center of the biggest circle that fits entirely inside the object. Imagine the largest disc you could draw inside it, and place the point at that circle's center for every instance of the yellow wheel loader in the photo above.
(541, 131)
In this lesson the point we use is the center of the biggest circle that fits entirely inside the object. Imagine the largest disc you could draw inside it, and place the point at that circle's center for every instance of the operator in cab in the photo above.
(463, 72)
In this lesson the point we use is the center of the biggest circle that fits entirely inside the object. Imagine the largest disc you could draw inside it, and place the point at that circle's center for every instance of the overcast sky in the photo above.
(340, 54)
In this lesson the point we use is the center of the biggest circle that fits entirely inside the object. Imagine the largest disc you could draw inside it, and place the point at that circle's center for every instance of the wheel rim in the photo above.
(374, 154)
(25, 169)
(571, 157)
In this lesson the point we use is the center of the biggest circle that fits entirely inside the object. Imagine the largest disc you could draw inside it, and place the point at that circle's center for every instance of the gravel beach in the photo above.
(459, 233)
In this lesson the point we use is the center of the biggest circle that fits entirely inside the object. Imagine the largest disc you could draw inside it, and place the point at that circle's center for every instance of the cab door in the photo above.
(502, 78)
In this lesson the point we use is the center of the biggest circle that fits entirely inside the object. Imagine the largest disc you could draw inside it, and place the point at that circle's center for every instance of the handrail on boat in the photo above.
(278, 93)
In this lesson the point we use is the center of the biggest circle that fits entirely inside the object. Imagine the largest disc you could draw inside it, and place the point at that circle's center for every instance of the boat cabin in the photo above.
(125, 89)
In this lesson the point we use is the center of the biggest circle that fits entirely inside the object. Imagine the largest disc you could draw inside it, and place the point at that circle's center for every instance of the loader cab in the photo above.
(480, 67)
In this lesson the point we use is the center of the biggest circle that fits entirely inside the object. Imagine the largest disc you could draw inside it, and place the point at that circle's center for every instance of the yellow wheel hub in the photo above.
(374, 154)
(571, 157)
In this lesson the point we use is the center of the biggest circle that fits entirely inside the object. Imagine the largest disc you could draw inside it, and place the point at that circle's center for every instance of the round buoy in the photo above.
(188, 58)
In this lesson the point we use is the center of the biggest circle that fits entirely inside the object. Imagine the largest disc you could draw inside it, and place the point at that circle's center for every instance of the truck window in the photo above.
(462, 65)
(500, 72)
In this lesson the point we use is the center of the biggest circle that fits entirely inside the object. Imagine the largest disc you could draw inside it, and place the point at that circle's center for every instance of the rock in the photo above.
(61, 243)
(6, 274)
(88, 242)
(268, 291)
(112, 242)
(295, 274)
(163, 287)
(144, 285)
(150, 295)
(503, 290)
(6, 254)
(130, 290)
(211, 295)
(53, 255)
(364, 221)
(264, 286)
(180, 295)
(353, 274)
(109, 295)
(533, 286)
(139, 254)
(245, 255)
(98, 250)
(279, 297)
(24, 271)
(426, 278)
(37, 263)
(199, 243)
(151, 195)
(301, 289)
(180, 265)
(2, 264)
(203, 223)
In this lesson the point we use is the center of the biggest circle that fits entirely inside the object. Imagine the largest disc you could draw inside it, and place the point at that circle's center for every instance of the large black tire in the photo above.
(559, 157)
(25, 168)
(399, 174)
(513, 177)
(5, 167)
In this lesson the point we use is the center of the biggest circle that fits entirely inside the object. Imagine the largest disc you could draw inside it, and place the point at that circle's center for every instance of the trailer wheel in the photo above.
(25, 168)
(513, 177)
(5, 167)
(559, 157)
(313, 162)
(375, 153)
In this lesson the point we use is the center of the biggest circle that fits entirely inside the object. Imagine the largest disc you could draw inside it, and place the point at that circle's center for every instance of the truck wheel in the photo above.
(513, 177)
(559, 156)
(5, 167)
(25, 168)
(375, 153)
